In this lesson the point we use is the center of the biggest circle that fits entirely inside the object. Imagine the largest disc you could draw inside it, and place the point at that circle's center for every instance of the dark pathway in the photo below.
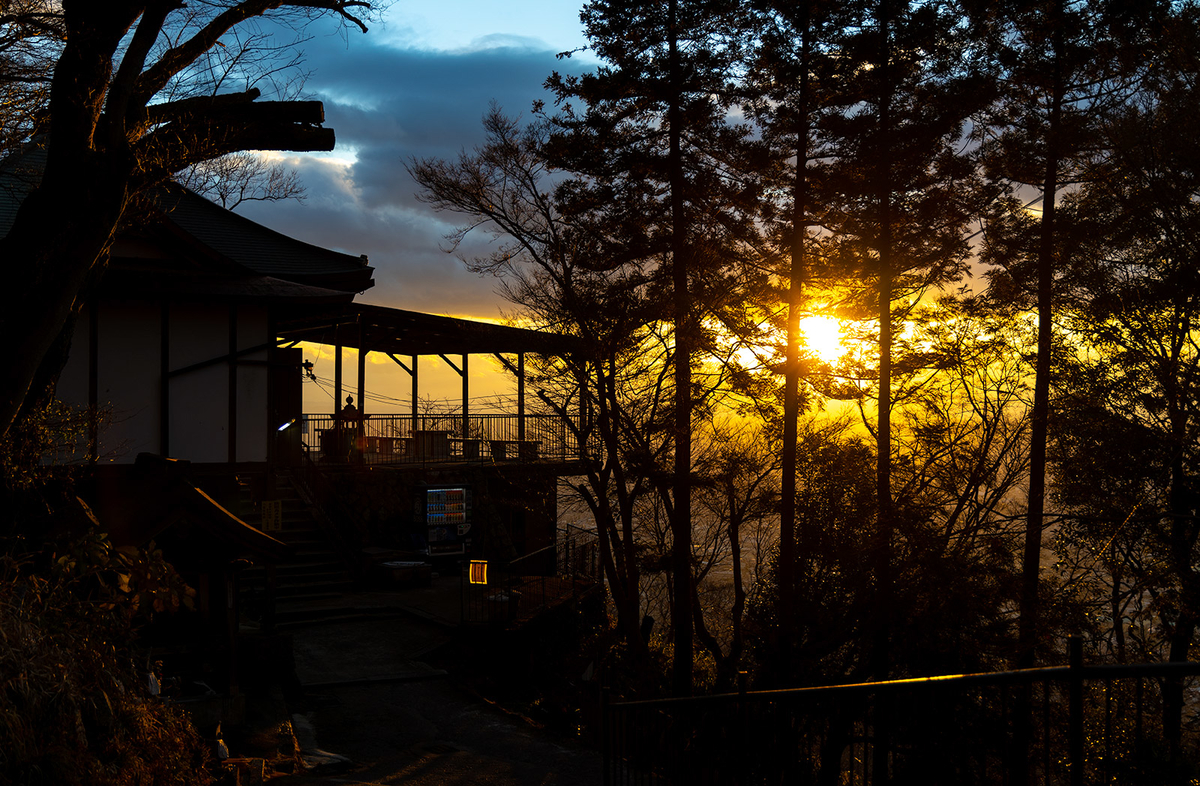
(374, 701)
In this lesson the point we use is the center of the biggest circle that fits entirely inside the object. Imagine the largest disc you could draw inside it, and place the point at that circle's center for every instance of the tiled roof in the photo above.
(260, 249)
(213, 229)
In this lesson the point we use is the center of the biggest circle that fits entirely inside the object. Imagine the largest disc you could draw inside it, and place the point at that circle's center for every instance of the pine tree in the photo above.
(901, 193)
(1130, 415)
(1060, 65)
(651, 142)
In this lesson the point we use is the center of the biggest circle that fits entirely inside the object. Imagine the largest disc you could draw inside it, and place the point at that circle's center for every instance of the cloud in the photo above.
(388, 105)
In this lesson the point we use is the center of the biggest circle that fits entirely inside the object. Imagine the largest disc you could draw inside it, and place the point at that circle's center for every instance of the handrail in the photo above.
(964, 728)
(1115, 671)
(392, 438)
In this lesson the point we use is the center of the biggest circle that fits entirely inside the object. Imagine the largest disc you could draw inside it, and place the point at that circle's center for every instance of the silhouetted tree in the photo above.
(900, 194)
(1130, 399)
(551, 268)
(652, 142)
(108, 135)
(1059, 64)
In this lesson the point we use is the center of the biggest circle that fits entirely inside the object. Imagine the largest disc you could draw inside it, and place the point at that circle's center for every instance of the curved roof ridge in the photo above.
(260, 248)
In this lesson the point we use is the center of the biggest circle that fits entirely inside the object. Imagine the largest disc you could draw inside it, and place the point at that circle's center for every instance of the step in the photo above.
(315, 552)
(290, 571)
(313, 589)
(299, 535)
(294, 603)
(320, 617)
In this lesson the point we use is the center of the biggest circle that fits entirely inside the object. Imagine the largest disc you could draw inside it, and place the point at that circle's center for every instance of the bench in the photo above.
(525, 449)
(469, 447)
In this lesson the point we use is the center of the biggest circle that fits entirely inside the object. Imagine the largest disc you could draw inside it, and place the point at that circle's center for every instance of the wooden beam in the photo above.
(400, 362)
(221, 359)
(504, 361)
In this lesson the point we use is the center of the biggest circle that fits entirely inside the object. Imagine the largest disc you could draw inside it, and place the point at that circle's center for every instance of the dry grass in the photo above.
(73, 704)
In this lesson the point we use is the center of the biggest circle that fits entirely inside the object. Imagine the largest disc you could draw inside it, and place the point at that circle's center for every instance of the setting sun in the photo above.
(823, 337)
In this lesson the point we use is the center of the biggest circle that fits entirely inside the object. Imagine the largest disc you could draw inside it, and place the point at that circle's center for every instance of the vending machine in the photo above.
(446, 514)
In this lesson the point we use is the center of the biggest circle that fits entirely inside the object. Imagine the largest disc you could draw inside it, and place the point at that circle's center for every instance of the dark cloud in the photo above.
(388, 105)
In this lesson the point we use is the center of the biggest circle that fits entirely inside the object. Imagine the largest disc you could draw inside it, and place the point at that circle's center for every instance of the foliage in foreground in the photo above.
(74, 708)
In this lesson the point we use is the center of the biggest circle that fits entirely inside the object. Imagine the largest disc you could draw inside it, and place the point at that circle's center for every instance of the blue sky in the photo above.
(417, 84)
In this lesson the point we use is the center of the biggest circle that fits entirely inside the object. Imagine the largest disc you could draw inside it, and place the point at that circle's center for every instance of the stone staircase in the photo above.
(312, 579)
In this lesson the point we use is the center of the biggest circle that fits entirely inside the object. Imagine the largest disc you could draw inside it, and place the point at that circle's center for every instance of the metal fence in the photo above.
(1082, 725)
(515, 591)
(399, 439)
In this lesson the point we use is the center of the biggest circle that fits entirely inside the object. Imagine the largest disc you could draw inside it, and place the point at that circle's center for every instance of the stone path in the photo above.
(378, 714)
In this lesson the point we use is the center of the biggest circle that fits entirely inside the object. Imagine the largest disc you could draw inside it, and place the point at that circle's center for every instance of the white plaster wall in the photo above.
(127, 378)
(199, 403)
(73, 381)
(252, 423)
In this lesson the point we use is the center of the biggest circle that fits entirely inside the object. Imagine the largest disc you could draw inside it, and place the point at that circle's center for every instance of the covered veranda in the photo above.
(361, 436)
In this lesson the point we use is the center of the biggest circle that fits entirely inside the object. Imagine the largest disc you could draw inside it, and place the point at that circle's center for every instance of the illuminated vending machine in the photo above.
(446, 511)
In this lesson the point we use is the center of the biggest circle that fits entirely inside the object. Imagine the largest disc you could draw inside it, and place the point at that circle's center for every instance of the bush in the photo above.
(74, 706)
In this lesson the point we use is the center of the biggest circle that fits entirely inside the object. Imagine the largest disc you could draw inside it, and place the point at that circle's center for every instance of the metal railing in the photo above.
(436, 438)
(1083, 725)
(520, 589)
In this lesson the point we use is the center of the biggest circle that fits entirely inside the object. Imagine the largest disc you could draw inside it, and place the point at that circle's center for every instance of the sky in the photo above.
(416, 85)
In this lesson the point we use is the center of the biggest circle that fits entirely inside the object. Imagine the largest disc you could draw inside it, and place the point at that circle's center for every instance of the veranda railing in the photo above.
(1084, 725)
(396, 438)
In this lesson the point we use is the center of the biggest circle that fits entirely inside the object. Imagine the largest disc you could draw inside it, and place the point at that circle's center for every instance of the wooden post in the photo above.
(93, 381)
(269, 599)
(362, 382)
(272, 413)
(415, 415)
(337, 369)
(521, 396)
(466, 398)
(232, 365)
(231, 627)
(164, 381)
(1075, 705)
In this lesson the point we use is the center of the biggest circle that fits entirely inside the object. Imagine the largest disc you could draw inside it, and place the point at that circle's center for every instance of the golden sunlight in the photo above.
(823, 337)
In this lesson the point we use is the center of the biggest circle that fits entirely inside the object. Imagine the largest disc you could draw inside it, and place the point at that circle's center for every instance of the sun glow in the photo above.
(823, 337)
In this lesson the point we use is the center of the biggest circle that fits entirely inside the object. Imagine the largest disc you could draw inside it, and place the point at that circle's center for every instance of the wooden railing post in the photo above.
(1075, 729)
(605, 738)
(743, 718)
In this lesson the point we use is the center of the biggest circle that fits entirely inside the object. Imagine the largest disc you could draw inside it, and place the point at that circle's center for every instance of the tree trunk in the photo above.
(1182, 531)
(883, 468)
(62, 231)
(881, 655)
(1040, 417)
(48, 269)
(681, 519)
(792, 560)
